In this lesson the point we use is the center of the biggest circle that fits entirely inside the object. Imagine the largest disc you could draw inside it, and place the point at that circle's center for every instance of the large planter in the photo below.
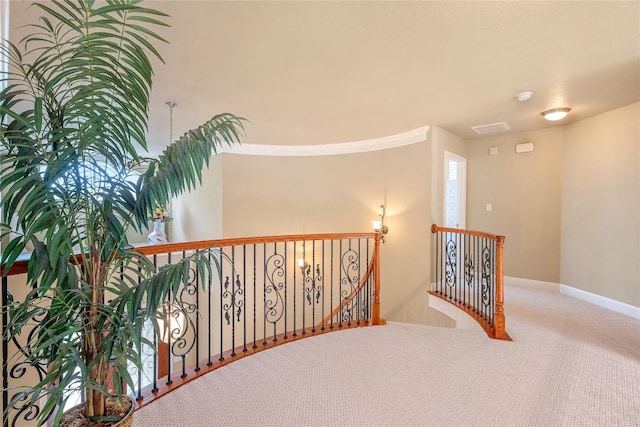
(75, 417)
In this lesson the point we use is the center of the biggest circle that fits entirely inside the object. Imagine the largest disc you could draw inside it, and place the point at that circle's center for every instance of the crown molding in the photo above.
(384, 143)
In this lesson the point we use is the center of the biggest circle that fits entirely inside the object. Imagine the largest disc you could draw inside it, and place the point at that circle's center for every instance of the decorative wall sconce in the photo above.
(378, 225)
(304, 266)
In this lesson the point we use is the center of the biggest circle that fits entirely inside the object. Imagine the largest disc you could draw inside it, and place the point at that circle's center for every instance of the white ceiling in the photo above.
(329, 72)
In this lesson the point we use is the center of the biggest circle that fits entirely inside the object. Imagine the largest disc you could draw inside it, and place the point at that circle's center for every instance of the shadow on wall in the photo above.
(414, 308)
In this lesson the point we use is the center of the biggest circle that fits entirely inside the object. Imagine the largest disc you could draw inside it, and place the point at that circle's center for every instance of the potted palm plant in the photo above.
(73, 119)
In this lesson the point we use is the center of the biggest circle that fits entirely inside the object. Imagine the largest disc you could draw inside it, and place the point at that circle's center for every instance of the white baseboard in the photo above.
(608, 303)
(508, 280)
(599, 300)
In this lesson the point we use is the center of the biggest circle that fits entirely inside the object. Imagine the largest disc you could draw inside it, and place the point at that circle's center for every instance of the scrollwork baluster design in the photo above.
(313, 289)
(233, 296)
(314, 284)
(349, 262)
(273, 298)
(487, 279)
(182, 334)
(451, 263)
(22, 406)
(469, 275)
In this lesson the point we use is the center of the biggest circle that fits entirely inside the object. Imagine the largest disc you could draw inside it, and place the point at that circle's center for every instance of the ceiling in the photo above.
(330, 72)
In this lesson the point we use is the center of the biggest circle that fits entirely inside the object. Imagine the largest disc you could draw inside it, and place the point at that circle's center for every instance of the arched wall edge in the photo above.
(384, 143)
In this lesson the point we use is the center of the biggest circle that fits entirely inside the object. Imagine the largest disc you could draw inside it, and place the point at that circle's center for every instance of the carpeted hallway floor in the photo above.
(570, 364)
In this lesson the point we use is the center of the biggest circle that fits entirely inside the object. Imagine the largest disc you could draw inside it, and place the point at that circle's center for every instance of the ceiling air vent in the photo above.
(491, 128)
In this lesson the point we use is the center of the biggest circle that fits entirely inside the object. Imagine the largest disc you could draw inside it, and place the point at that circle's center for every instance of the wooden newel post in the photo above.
(499, 327)
(375, 312)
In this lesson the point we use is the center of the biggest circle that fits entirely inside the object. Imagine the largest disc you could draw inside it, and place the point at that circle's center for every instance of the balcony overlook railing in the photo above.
(265, 292)
(469, 274)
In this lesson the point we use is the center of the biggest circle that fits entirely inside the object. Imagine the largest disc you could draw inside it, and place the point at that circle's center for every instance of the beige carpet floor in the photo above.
(570, 364)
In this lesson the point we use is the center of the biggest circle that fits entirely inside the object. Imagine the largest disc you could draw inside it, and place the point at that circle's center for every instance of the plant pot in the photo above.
(75, 417)
(158, 235)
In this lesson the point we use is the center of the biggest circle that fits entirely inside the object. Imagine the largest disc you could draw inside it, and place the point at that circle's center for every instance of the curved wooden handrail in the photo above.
(20, 266)
(496, 330)
(205, 244)
(494, 237)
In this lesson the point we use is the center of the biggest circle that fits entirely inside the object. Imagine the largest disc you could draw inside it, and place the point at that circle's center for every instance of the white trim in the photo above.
(392, 141)
(608, 303)
(599, 300)
(551, 286)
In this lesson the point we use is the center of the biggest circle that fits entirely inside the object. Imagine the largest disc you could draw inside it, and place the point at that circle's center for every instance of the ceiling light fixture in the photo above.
(556, 114)
(524, 96)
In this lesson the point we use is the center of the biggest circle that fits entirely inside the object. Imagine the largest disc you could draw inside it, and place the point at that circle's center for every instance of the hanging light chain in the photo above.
(171, 105)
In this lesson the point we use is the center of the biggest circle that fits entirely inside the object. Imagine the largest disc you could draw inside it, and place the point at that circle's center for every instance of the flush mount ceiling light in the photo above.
(556, 114)
(524, 96)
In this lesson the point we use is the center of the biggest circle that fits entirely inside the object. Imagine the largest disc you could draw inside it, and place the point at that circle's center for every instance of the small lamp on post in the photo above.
(378, 225)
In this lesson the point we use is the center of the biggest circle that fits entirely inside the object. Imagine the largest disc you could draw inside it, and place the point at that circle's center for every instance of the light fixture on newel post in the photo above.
(378, 225)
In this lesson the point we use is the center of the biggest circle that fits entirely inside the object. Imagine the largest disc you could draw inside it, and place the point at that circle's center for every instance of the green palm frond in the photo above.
(73, 120)
(180, 166)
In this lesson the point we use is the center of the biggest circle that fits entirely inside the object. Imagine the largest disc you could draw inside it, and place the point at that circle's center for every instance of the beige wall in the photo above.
(571, 208)
(524, 191)
(601, 205)
(197, 215)
(543, 201)
(326, 194)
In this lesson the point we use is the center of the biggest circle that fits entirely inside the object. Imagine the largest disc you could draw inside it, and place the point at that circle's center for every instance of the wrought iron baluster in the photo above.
(244, 303)
(197, 321)
(486, 278)
(284, 306)
(304, 274)
(332, 284)
(349, 266)
(255, 293)
(5, 351)
(295, 285)
(228, 295)
(493, 282)
(341, 295)
(274, 301)
(322, 275)
(438, 261)
(169, 297)
(312, 290)
(221, 307)
(358, 303)
(368, 286)
(209, 314)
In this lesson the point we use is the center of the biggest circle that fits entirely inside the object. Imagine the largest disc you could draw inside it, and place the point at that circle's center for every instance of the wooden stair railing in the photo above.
(259, 299)
(469, 274)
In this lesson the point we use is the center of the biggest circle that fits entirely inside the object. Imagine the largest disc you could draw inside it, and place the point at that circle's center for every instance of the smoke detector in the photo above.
(524, 96)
